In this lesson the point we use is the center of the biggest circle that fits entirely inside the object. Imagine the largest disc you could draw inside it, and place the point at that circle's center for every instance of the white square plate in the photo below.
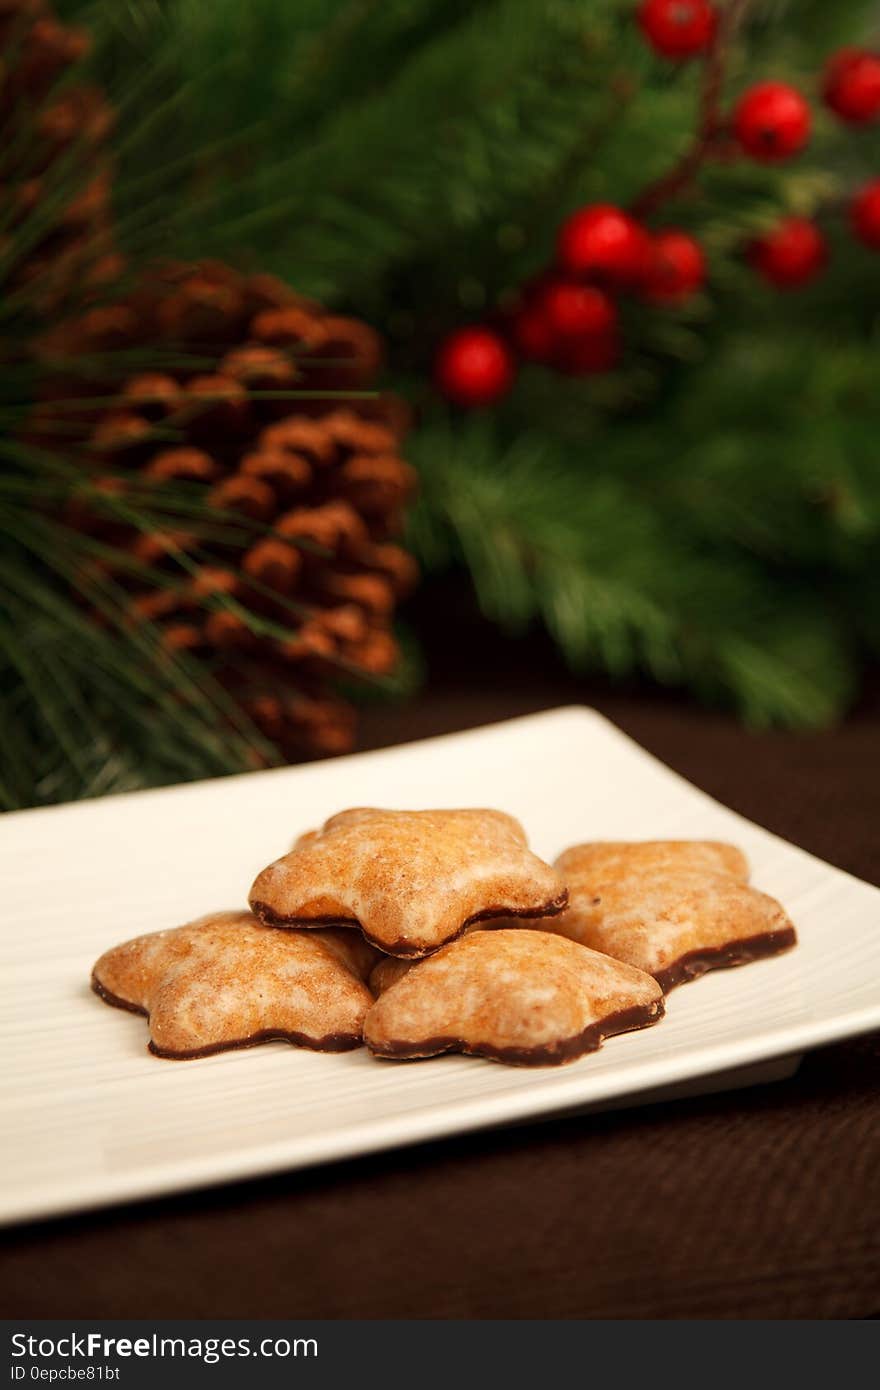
(90, 1117)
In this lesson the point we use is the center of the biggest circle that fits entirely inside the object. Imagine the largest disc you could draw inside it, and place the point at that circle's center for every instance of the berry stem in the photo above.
(710, 123)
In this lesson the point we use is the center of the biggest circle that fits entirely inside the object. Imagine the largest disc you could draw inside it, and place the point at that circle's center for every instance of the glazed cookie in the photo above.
(523, 997)
(225, 982)
(411, 880)
(607, 861)
(674, 909)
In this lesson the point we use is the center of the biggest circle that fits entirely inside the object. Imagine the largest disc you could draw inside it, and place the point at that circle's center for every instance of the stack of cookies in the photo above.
(421, 932)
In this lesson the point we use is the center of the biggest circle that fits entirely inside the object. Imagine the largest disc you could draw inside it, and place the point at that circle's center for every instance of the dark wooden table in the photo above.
(756, 1203)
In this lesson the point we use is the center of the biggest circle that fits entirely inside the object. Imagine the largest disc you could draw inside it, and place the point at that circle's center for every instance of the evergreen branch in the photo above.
(710, 123)
(618, 583)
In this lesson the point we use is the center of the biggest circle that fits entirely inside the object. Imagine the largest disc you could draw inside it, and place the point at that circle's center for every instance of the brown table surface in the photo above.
(756, 1203)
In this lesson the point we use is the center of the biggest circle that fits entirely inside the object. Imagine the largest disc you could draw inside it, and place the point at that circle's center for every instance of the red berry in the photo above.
(772, 121)
(791, 254)
(677, 28)
(603, 242)
(865, 214)
(474, 366)
(590, 355)
(852, 85)
(677, 268)
(573, 310)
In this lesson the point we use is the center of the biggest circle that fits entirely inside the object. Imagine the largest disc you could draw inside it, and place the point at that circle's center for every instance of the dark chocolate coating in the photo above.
(696, 963)
(402, 949)
(331, 1042)
(590, 1040)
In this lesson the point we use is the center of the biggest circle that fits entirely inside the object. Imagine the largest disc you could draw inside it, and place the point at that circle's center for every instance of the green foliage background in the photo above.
(708, 513)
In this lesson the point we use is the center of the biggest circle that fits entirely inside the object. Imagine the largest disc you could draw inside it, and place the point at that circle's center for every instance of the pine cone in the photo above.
(55, 179)
(315, 488)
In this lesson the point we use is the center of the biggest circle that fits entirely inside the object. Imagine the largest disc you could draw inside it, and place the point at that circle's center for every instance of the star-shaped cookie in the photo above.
(607, 861)
(411, 880)
(675, 908)
(523, 997)
(225, 982)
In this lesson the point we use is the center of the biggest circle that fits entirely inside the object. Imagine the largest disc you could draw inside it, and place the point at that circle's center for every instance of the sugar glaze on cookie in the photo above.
(523, 997)
(224, 982)
(607, 861)
(675, 909)
(411, 880)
